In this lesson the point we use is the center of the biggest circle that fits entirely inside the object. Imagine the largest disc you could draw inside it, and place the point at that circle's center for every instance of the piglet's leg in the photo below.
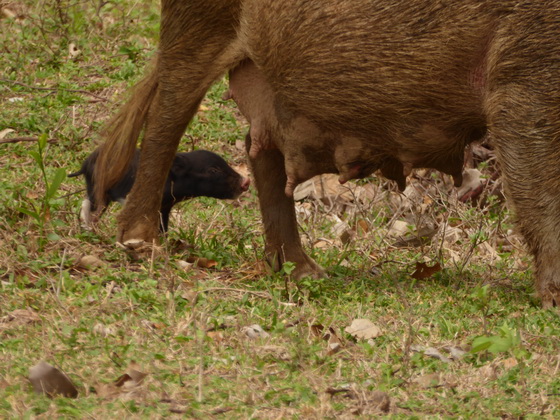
(279, 218)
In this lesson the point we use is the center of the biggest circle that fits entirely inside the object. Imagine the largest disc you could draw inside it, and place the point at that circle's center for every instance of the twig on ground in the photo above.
(263, 295)
(54, 89)
(24, 139)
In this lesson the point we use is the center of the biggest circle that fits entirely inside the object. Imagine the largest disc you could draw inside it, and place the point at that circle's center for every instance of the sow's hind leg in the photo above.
(524, 121)
(279, 217)
(197, 45)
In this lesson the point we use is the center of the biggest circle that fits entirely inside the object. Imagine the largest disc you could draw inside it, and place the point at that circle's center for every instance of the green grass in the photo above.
(185, 327)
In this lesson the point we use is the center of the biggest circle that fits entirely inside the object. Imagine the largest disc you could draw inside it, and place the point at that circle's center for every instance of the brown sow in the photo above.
(351, 87)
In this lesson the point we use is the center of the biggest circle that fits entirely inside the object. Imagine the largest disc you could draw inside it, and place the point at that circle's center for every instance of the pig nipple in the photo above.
(291, 185)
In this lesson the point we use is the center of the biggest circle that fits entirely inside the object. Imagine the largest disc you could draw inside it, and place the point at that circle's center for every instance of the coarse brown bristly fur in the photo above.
(352, 86)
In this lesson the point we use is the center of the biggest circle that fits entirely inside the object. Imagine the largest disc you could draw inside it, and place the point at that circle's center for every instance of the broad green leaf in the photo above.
(30, 213)
(480, 344)
(42, 141)
(53, 237)
(59, 176)
(36, 156)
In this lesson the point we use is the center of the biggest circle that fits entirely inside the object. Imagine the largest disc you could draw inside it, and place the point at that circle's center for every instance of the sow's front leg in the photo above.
(279, 217)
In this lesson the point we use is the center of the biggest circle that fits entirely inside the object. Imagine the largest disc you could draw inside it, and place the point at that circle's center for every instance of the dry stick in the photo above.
(263, 295)
(56, 289)
(20, 139)
(152, 258)
(200, 348)
(60, 280)
(85, 92)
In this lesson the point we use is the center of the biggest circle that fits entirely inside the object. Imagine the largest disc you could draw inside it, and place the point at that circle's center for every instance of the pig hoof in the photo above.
(308, 269)
(132, 244)
(139, 249)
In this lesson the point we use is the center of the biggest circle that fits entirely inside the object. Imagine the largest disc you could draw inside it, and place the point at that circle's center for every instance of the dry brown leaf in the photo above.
(120, 381)
(132, 377)
(325, 188)
(20, 317)
(240, 145)
(90, 262)
(5, 132)
(431, 380)
(279, 352)
(431, 352)
(510, 362)
(472, 185)
(423, 271)
(489, 251)
(322, 244)
(190, 295)
(215, 335)
(380, 401)
(334, 343)
(398, 228)
(8, 13)
(184, 265)
(202, 262)
(3, 384)
(363, 329)
(47, 379)
(488, 372)
(363, 225)
(254, 331)
(104, 330)
(107, 390)
(343, 389)
(456, 353)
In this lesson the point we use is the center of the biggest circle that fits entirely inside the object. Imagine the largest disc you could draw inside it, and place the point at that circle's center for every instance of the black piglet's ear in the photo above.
(181, 168)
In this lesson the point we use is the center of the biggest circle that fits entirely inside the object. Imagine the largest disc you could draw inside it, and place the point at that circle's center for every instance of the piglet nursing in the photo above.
(193, 174)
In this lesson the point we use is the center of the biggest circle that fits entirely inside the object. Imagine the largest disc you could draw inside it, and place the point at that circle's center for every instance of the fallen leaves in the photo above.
(254, 332)
(423, 271)
(132, 377)
(201, 262)
(363, 329)
(431, 380)
(472, 186)
(19, 317)
(368, 402)
(325, 188)
(90, 262)
(455, 353)
(48, 380)
(125, 386)
(5, 132)
(334, 343)
(104, 330)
